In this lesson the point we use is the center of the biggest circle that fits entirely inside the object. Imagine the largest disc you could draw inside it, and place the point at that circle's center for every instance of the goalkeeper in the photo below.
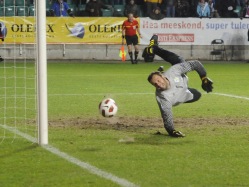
(172, 85)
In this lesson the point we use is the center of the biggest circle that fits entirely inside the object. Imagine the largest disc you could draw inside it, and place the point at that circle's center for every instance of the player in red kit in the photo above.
(130, 28)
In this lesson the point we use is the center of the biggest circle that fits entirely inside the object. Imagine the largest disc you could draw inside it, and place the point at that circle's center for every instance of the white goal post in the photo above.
(42, 72)
(23, 73)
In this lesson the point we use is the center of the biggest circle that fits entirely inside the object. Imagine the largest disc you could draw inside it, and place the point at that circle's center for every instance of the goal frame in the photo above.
(42, 101)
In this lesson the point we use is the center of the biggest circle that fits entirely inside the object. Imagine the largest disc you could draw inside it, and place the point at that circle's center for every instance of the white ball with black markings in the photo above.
(108, 107)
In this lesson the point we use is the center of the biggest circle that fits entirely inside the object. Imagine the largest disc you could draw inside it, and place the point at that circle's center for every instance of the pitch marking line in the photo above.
(221, 94)
(92, 169)
(101, 94)
(234, 96)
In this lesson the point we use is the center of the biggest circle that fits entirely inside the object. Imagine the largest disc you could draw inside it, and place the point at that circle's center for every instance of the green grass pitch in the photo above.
(215, 151)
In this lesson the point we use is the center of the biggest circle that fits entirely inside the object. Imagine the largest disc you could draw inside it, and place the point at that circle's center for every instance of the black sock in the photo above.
(136, 54)
(168, 56)
(131, 56)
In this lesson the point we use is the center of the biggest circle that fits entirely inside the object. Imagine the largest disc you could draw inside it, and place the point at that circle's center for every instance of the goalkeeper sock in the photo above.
(168, 56)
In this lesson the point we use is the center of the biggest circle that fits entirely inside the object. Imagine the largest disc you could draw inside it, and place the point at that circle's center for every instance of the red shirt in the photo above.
(130, 27)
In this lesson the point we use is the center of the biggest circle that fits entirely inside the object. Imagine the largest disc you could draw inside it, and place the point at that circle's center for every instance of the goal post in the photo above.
(23, 70)
(42, 104)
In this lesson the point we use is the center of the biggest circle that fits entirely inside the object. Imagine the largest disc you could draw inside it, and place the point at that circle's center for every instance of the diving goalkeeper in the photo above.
(172, 85)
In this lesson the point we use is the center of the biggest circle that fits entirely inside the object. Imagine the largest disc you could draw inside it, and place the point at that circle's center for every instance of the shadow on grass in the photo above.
(156, 139)
(15, 151)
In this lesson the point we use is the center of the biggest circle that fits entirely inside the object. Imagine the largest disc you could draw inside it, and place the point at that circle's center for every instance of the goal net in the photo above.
(19, 67)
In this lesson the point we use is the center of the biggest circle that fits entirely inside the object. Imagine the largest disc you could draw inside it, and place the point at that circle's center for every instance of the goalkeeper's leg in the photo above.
(168, 56)
(196, 95)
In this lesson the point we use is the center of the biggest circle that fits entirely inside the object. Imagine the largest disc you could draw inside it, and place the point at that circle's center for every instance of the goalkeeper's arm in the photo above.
(207, 84)
(166, 111)
(199, 68)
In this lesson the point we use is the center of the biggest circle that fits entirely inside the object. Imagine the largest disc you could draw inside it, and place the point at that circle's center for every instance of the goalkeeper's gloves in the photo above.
(176, 134)
(207, 84)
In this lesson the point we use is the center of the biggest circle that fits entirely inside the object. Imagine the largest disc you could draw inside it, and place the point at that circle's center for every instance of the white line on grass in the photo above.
(142, 93)
(234, 96)
(101, 94)
(83, 165)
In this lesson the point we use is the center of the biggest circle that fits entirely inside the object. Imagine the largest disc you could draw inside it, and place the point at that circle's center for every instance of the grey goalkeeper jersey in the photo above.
(178, 91)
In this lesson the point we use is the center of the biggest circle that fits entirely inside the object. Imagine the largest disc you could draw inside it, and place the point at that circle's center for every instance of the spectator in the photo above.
(141, 7)
(93, 8)
(170, 8)
(131, 7)
(61, 9)
(245, 10)
(31, 2)
(240, 3)
(183, 8)
(140, 2)
(156, 14)
(130, 28)
(162, 6)
(77, 4)
(203, 9)
(114, 2)
(226, 8)
(192, 7)
(211, 7)
(151, 5)
(2, 36)
(118, 2)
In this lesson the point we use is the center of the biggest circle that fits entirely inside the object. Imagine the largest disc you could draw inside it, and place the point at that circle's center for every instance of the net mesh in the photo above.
(17, 69)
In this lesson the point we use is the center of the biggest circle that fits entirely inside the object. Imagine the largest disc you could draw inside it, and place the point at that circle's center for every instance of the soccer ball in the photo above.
(108, 107)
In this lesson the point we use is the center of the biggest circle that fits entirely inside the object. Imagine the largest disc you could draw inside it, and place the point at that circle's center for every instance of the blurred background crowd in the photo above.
(155, 9)
(158, 9)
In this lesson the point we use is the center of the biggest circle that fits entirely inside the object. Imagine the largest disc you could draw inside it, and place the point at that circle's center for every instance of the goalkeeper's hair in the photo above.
(152, 74)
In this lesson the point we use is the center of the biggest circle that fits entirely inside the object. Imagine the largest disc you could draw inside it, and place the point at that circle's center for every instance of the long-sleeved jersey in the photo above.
(178, 91)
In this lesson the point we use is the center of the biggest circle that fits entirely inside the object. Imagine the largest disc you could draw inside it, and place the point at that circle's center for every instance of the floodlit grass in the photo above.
(215, 151)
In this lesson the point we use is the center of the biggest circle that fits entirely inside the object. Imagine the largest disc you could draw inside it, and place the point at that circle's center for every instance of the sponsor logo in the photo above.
(176, 37)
